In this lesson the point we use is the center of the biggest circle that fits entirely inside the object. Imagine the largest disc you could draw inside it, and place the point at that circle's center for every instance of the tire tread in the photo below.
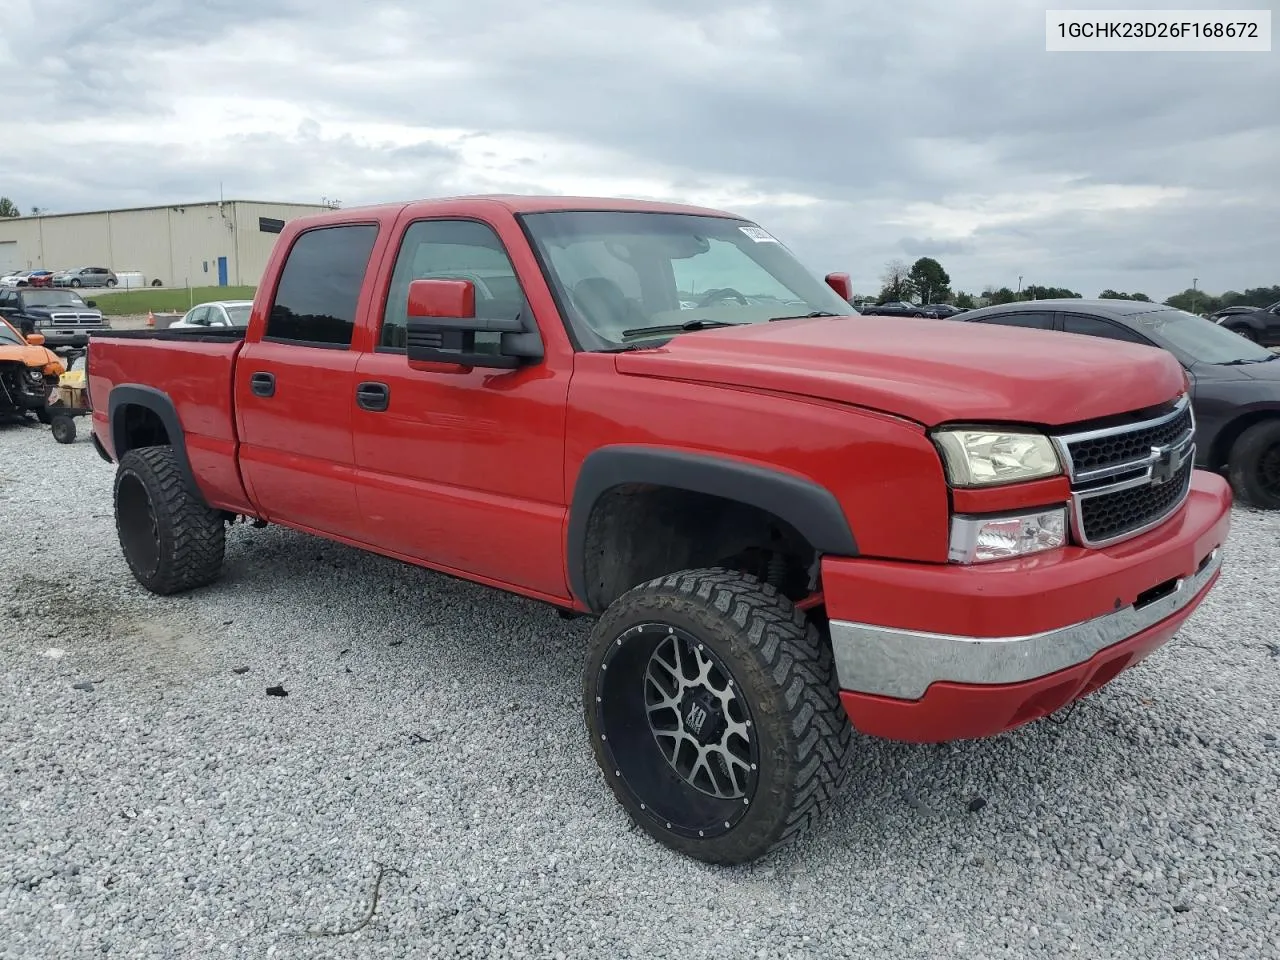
(195, 532)
(790, 650)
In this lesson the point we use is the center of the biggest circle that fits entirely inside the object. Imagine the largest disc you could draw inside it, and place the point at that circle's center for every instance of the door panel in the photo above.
(466, 470)
(294, 388)
(295, 446)
(465, 467)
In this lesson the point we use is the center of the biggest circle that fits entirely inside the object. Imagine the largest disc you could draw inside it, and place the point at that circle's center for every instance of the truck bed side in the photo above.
(171, 387)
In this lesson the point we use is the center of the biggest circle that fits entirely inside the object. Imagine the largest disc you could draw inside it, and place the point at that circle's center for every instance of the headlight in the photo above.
(980, 539)
(981, 458)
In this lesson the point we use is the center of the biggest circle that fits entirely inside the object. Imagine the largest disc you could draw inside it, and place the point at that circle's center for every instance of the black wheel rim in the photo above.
(1269, 470)
(679, 737)
(139, 529)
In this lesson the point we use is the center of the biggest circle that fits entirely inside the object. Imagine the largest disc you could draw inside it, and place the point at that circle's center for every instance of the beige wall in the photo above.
(176, 245)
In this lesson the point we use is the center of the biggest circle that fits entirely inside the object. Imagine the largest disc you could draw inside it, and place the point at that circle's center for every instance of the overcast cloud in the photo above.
(856, 133)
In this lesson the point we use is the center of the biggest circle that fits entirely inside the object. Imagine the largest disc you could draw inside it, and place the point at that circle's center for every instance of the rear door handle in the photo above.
(263, 384)
(373, 396)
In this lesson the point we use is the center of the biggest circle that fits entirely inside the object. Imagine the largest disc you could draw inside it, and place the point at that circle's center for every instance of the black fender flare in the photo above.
(159, 403)
(810, 508)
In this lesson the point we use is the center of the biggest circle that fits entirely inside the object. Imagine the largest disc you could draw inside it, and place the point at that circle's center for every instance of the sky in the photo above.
(857, 133)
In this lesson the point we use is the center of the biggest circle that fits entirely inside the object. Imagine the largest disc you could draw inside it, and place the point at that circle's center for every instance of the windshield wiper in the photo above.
(806, 316)
(1236, 363)
(679, 327)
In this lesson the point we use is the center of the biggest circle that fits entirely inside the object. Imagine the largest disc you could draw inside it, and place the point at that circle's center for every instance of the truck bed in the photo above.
(195, 370)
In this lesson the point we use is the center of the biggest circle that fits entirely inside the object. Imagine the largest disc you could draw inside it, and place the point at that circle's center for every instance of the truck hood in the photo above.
(930, 371)
(29, 355)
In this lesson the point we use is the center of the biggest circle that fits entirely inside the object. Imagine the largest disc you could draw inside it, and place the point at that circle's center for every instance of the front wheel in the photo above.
(714, 714)
(1254, 465)
(171, 539)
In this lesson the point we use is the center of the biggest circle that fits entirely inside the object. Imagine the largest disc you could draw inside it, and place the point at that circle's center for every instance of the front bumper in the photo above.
(954, 652)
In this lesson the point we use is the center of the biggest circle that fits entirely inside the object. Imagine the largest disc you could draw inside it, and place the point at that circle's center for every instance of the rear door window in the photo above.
(318, 295)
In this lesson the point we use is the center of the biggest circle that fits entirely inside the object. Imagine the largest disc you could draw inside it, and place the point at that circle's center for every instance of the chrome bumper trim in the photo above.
(892, 662)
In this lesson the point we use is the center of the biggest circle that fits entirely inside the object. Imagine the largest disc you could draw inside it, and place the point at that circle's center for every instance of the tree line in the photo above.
(926, 281)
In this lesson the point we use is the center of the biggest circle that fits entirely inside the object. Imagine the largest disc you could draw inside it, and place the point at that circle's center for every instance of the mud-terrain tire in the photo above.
(172, 541)
(762, 670)
(1254, 465)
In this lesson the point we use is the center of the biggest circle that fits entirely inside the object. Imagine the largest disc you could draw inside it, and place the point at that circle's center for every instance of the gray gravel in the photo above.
(432, 727)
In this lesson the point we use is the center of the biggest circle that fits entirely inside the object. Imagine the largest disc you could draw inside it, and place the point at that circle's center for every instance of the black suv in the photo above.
(62, 316)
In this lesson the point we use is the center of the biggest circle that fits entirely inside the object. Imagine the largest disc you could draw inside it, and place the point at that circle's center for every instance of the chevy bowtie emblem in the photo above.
(1167, 463)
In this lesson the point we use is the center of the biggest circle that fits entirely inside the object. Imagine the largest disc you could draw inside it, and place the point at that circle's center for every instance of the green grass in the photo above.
(163, 301)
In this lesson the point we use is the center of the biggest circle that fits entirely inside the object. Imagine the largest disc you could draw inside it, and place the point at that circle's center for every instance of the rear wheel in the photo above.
(714, 714)
(1247, 332)
(1254, 465)
(171, 539)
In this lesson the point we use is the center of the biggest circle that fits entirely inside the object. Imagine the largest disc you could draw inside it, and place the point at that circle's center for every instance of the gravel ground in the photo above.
(432, 733)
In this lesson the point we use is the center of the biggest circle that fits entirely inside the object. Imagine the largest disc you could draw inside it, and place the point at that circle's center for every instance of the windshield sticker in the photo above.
(758, 234)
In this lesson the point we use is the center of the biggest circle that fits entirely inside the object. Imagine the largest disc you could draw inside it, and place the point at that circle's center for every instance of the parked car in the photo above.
(941, 310)
(1235, 384)
(85, 277)
(216, 313)
(62, 317)
(893, 308)
(1228, 311)
(27, 278)
(788, 523)
(1259, 324)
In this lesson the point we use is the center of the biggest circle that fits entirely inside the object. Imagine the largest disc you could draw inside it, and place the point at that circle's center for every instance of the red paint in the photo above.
(957, 711)
(841, 284)
(1050, 492)
(1036, 593)
(471, 471)
(442, 298)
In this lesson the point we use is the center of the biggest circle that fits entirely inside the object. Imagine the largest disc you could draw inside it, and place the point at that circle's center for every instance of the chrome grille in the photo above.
(1127, 479)
(74, 319)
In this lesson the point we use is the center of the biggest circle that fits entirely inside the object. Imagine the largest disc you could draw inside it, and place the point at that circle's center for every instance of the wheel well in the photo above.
(140, 427)
(1228, 435)
(636, 532)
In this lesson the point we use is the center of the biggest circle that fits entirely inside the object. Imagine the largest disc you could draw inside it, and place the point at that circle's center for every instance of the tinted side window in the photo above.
(1039, 320)
(453, 250)
(319, 289)
(1097, 327)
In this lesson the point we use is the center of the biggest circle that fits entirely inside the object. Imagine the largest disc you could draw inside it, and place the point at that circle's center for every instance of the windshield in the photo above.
(9, 335)
(52, 298)
(1200, 339)
(634, 277)
(238, 313)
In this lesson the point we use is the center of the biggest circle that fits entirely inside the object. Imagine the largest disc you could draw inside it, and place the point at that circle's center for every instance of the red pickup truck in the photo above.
(789, 521)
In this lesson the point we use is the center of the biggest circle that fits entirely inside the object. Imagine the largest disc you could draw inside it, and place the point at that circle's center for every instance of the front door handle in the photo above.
(373, 396)
(263, 384)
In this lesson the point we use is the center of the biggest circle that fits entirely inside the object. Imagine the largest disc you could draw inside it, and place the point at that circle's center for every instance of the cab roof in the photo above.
(537, 203)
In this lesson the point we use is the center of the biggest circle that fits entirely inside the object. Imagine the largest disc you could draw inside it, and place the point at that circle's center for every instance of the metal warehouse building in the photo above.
(219, 243)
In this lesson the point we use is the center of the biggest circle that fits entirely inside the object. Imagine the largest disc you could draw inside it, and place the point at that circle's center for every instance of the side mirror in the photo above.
(35, 339)
(91, 303)
(841, 284)
(442, 327)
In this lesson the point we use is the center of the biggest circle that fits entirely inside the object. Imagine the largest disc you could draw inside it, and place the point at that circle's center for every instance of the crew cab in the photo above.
(788, 521)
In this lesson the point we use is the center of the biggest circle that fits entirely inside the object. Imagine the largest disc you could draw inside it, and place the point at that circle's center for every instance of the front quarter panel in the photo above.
(883, 471)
